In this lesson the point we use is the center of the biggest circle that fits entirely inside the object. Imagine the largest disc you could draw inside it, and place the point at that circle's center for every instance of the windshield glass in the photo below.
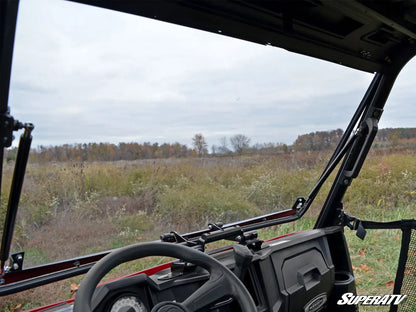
(145, 127)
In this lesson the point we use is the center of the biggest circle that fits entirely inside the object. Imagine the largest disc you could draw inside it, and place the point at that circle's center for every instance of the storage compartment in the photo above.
(304, 273)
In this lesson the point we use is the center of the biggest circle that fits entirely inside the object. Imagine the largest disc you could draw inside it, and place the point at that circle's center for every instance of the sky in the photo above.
(83, 74)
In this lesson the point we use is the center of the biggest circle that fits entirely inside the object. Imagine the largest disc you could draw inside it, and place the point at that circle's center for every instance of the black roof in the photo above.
(366, 35)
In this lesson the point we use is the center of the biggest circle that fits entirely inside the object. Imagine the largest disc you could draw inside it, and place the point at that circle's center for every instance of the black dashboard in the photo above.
(299, 272)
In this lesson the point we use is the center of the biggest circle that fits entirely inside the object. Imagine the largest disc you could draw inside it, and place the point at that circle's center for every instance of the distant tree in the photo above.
(200, 145)
(214, 149)
(393, 138)
(223, 147)
(239, 142)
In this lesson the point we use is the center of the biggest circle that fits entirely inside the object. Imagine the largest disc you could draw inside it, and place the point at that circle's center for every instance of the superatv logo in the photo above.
(351, 299)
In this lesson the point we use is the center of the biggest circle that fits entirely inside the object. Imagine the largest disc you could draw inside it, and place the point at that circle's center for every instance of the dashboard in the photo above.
(299, 272)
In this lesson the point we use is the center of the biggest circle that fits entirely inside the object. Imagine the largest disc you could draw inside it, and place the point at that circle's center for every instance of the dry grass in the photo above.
(125, 202)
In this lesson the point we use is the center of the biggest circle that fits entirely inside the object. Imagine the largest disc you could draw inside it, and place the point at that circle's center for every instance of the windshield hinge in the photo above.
(8, 125)
(353, 223)
(16, 261)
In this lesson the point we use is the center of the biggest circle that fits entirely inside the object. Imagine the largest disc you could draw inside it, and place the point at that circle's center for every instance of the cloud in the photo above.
(83, 74)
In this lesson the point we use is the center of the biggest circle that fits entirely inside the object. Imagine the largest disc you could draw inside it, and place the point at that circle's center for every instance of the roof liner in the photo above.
(367, 35)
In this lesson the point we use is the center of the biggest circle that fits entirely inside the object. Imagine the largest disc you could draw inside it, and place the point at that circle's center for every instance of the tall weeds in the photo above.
(69, 209)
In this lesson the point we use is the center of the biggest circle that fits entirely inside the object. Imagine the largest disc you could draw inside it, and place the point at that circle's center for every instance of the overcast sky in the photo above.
(83, 74)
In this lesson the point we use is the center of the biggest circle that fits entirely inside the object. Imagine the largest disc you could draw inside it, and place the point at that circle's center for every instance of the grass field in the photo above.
(70, 209)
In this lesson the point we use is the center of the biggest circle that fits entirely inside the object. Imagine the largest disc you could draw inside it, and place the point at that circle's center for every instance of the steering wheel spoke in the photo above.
(212, 291)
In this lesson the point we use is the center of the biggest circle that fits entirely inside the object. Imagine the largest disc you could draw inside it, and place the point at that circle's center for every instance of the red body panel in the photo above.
(148, 272)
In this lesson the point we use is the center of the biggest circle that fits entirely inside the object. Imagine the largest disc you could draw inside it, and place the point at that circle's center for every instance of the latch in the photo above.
(354, 224)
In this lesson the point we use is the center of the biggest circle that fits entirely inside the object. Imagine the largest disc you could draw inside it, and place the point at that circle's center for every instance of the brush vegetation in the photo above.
(74, 208)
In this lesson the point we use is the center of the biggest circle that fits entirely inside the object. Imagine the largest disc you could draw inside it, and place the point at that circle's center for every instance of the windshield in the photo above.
(145, 127)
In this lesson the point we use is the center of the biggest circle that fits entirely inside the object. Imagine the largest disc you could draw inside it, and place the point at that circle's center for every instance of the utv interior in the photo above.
(307, 271)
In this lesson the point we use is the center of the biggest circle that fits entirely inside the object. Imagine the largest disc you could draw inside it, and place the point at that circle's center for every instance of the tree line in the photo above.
(236, 145)
(106, 152)
(325, 140)
(318, 141)
(389, 134)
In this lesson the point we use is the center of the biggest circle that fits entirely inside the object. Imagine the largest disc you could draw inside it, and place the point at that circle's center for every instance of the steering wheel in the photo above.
(221, 283)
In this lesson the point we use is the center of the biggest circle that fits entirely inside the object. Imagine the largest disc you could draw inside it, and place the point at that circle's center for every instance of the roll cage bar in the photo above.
(366, 35)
